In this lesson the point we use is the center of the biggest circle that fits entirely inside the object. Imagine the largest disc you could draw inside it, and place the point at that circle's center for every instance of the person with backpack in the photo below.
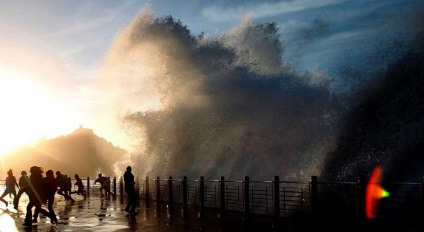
(80, 185)
(69, 184)
(63, 185)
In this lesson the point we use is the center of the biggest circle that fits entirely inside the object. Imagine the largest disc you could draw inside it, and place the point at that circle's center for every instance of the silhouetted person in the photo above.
(70, 185)
(37, 196)
(80, 185)
(63, 185)
(51, 189)
(69, 188)
(105, 183)
(23, 184)
(130, 190)
(10, 187)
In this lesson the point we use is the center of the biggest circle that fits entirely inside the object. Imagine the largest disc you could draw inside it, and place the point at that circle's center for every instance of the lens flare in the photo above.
(374, 193)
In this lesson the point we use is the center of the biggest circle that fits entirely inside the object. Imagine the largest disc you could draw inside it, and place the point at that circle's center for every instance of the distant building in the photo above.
(82, 130)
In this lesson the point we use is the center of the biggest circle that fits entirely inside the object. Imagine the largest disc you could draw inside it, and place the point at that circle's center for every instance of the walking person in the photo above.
(10, 187)
(131, 192)
(104, 184)
(63, 185)
(51, 189)
(37, 196)
(23, 184)
(69, 184)
(80, 185)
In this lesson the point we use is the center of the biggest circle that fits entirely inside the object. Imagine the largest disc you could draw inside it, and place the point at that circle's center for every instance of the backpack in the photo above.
(64, 183)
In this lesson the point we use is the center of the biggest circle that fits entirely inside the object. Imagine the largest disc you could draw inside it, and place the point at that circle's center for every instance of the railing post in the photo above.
(422, 191)
(185, 192)
(121, 189)
(246, 199)
(301, 197)
(107, 194)
(170, 190)
(185, 197)
(170, 198)
(202, 196)
(422, 196)
(147, 189)
(314, 196)
(157, 184)
(222, 194)
(276, 193)
(88, 186)
(114, 186)
(360, 199)
(266, 198)
(137, 188)
(284, 200)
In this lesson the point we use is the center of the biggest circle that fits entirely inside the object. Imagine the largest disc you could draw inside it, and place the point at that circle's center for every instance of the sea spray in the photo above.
(216, 106)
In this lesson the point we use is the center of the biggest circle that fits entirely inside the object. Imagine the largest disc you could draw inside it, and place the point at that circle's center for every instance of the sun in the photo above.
(28, 111)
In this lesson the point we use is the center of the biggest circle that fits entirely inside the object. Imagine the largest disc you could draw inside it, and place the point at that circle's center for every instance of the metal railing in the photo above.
(276, 198)
(256, 197)
(287, 198)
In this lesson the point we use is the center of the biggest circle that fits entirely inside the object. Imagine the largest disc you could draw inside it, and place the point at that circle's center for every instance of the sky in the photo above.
(52, 52)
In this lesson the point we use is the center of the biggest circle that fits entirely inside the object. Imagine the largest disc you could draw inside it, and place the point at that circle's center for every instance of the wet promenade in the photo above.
(106, 214)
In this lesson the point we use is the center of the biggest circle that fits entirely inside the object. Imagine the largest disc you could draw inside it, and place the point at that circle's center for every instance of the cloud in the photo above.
(219, 14)
(86, 20)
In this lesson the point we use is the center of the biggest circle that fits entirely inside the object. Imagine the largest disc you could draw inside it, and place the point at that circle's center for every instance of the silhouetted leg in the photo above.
(2, 196)
(60, 192)
(16, 199)
(35, 216)
(127, 208)
(68, 197)
(133, 202)
(12, 193)
(28, 216)
(46, 213)
(101, 191)
(50, 206)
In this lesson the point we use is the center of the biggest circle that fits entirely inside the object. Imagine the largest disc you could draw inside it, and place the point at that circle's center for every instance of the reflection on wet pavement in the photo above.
(103, 214)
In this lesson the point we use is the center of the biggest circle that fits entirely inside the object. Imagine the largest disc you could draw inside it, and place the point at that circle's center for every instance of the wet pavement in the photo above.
(106, 214)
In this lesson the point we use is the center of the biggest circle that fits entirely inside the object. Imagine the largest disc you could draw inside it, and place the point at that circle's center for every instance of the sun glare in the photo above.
(374, 193)
(28, 111)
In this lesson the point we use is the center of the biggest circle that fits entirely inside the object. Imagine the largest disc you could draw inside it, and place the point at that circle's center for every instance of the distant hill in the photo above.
(81, 152)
